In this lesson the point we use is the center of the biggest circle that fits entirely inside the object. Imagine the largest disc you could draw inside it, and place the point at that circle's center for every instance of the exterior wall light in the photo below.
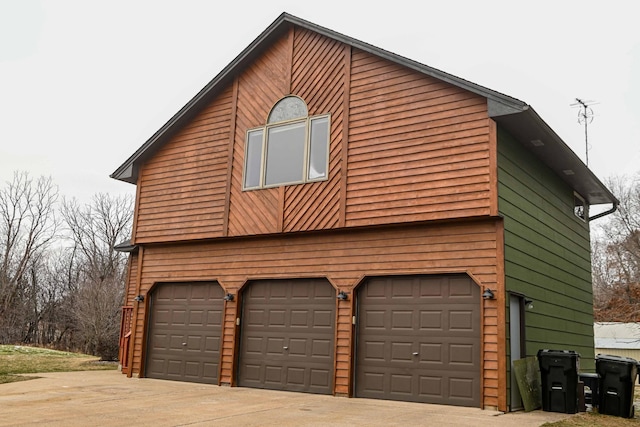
(342, 296)
(488, 294)
(228, 297)
(528, 303)
(139, 298)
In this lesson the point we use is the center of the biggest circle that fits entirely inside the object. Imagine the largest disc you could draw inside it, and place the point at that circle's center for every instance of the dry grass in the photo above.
(17, 360)
(593, 419)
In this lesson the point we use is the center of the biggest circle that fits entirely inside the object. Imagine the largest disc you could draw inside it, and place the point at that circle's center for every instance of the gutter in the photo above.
(610, 211)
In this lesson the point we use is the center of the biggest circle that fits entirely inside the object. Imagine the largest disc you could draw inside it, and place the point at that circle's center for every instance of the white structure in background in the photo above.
(618, 339)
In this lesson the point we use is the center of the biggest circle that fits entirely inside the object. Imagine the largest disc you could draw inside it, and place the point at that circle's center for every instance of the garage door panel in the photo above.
(214, 318)
(402, 384)
(180, 293)
(275, 346)
(431, 321)
(273, 375)
(299, 318)
(401, 352)
(323, 319)
(253, 345)
(461, 354)
(373, 350)
(296, 323)
(418, 339)
(431, 353)
(254, 317)
(320, 378)
(298, 347)
(460, 388)
(461, 321)
(321, 348)
(212, 344)
(430, 387)
(185, 332)
(461, 287)
(402, 319)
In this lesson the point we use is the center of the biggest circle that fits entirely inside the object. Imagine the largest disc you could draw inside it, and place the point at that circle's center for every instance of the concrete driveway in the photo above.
(108, 398)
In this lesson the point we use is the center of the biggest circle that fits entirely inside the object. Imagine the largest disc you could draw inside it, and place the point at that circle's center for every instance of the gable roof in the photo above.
(515, 116)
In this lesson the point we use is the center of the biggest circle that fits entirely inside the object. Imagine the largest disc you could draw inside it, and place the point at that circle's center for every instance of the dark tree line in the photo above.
(616, 256)
(61, 282)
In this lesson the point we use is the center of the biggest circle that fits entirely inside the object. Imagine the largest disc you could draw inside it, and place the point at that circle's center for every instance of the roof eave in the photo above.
(538, 137)
(128, 171)
(126, 247)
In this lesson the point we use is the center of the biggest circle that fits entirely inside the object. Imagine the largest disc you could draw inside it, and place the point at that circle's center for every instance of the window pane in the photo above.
(254, 159)
(318, 148)
(285, 154)
(288, 108)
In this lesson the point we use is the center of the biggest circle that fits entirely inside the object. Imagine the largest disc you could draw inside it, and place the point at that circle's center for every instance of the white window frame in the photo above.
(307, 152)
(581, 215)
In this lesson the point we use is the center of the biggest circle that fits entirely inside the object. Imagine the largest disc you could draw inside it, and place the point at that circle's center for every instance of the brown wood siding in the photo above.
(344, 257)
(404, 147)
(182, 187)
(418, 147)
(318, 70)
(259, 87)
(132, 276)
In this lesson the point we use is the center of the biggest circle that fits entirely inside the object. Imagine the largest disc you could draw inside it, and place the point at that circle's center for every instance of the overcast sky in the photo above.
(83, 84)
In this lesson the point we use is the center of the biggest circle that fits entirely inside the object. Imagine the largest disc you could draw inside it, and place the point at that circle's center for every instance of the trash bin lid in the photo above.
(558, 353)
(613, 358)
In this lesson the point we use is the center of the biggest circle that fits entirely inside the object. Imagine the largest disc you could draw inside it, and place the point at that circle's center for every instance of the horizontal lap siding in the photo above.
(132, 277)
(547, 253)
(344, 257)
(182, 187)
(418, 147)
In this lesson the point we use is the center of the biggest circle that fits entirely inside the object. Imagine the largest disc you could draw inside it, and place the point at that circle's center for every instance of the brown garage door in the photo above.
(184, 332)
(418, 340)
(288, 335)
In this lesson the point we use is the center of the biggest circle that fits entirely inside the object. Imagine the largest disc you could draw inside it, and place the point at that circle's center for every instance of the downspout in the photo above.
(610, 211)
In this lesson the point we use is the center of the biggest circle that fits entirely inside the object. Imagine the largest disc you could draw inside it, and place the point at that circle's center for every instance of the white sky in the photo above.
(83, 84)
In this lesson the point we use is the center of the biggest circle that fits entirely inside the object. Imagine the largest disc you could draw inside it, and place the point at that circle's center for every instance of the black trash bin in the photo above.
(617, 378)
(591, 381)
(559, 375)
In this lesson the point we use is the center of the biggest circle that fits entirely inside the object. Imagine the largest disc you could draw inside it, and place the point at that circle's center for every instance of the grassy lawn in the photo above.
(17, 360)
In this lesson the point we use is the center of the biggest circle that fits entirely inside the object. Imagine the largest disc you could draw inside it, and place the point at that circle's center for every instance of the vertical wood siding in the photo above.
(182, 186)
(344, 257)
(259, 88)
(318, 70)
(418, 147)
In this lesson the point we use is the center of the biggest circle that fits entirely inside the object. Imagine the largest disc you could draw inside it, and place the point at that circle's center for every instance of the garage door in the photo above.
(184, 332)
(288, 335)
(418, 340)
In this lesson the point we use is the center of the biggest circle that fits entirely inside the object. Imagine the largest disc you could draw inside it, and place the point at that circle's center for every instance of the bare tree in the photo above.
(27, 226)
(616, 256)
(95, 229)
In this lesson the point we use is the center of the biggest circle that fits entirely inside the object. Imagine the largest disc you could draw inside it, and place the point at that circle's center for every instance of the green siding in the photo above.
(547, 253)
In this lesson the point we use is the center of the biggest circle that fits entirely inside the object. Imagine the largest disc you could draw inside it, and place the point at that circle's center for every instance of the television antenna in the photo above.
(585, 115)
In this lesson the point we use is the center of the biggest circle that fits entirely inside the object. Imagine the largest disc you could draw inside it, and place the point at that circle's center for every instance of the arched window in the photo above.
(292, 148)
